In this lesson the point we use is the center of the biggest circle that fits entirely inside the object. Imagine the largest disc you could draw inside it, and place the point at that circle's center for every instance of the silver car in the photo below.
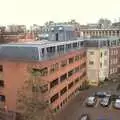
(117, 104)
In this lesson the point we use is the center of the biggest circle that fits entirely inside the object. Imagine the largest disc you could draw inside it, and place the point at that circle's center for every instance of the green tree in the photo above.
(31, 103)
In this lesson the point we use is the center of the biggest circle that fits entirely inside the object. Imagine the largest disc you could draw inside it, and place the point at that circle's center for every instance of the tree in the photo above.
(104, 23)
(31, 103)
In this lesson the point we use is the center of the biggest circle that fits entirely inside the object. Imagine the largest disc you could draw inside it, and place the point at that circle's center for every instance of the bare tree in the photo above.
(31, 102)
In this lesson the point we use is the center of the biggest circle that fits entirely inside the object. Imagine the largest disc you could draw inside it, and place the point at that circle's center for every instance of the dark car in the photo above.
(100, 94)
(84, 116)
(105, 101)
(114, 97)
(91, 101)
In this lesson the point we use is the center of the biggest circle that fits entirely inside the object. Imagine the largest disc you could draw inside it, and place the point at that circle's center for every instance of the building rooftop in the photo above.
(36, 51)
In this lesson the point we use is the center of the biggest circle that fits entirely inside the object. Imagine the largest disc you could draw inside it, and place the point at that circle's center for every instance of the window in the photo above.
(74, 45)
(63, 77)
(54, 83)
(63, 63)
(91, 53)
(76, 80)
(100, 64)
(2, 98)
(71, 60)
(91, 62)
(70, 85)
(77, 58)
(70, 73)
(42, 72)
(51, 49)
(54, 67)
(60, 48)
(101, 54)
(68, 46)
(54, 98)
(1, 83)
(44, 88)
(1, 68)
(77, 69)
(63, 91)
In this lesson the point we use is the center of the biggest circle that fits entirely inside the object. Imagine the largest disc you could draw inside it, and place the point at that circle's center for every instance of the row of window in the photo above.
(60, 48)
(114, 52)
(66, 75)
(64, 90)
(55, 67)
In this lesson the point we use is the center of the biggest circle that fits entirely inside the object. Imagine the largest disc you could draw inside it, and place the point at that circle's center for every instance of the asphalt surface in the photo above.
(77, 106)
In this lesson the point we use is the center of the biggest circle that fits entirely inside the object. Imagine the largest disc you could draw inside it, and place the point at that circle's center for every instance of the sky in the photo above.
(39, 11)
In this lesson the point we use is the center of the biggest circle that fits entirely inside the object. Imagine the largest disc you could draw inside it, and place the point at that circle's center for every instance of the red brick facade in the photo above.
(68, 71)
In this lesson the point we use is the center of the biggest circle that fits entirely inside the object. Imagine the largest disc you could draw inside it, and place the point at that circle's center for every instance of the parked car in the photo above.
(84, 116)
(91, 101)
(105, 101)
(100, 94)
(117, 104)
(114, 97)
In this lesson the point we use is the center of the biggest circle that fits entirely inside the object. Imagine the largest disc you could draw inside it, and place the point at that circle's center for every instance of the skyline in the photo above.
(40, 11)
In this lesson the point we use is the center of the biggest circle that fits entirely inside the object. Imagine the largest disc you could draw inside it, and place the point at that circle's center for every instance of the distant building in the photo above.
(100, 32)
(102, 58)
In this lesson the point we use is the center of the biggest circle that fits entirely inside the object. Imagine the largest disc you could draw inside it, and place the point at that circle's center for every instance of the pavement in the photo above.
(77, 106)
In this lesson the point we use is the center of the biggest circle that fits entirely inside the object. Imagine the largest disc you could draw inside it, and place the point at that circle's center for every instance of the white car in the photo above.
(117, 104)
(91, 101)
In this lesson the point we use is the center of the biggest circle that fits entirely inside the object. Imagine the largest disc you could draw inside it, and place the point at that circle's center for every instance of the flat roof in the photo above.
(42, 43)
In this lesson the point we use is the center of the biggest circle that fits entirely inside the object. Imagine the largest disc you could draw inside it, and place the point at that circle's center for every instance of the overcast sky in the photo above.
(39, 11)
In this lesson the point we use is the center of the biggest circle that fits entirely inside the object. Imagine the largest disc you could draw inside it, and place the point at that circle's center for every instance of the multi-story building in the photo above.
(102, 58)
(61, 64)
(100, 32)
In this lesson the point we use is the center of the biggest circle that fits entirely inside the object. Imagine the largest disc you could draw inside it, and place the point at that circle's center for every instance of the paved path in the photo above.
(73, 110)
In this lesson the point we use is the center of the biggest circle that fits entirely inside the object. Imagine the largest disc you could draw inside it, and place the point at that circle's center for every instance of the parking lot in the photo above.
(76, 107)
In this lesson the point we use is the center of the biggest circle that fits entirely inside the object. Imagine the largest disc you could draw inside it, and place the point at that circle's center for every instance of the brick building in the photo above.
(62, 65)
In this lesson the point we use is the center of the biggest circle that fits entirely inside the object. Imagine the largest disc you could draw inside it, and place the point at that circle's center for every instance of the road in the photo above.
(77, 106)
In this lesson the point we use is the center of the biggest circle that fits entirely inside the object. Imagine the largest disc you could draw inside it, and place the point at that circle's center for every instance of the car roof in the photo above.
(118, 100)
(91, 98)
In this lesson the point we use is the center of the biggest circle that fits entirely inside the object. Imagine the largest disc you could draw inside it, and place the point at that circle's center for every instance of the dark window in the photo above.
(2, 98)
(63, 77)
(68, 46)
(54, 97)
(77, 69)
(101, 54)
(54, 83)
(56, 36)
(51, 49)
(91, 62)
(76, 80)
(71, 60)
(44, 88)
(63, 63)
(41, 72)
(1, 83)
(77, 58)
(70, 85)
(74, 45)
(70, 73)
(1, 68)
(63, 90)
(60, 48)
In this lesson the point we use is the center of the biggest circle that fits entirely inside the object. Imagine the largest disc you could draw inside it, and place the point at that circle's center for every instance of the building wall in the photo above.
(93, 65)
(15, 72)
(114, 59)
(100, 32)
(97, 64)
(104, 64)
